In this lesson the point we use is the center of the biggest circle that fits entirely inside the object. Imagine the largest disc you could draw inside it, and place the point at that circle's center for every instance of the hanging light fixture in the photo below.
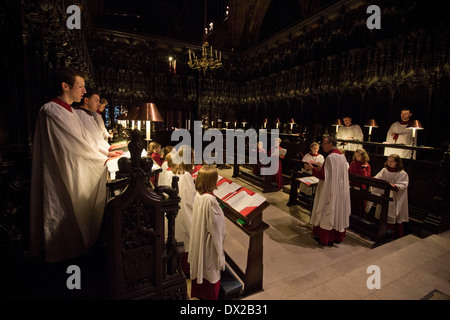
(207, 60)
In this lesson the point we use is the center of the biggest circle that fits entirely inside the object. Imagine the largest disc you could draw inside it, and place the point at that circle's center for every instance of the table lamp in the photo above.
(371, 124)
(148, 113)
(414, 125)
(337, 123)
(132, 116)
(292, 123)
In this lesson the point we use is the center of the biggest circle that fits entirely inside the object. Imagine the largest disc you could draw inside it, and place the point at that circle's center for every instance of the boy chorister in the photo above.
(206, 253)
(398, 208)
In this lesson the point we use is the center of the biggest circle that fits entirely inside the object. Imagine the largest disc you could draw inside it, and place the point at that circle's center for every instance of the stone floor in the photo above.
(296, 267)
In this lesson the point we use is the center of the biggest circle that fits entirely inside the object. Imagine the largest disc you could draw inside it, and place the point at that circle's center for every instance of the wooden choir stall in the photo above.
(428, 193)
(143, 262)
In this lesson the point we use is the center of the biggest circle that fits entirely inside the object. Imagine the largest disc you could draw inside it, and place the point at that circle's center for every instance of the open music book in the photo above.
(239, 198)
(113, 164)
(309, 181)
(225, 187)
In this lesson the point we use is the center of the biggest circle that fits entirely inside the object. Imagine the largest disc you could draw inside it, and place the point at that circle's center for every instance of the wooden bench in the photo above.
(375, 229)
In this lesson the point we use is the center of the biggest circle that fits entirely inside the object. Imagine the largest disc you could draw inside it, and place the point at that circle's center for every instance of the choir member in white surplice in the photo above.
(398, 208)
(399, 134)
(163, 178)
(349, 132)
(68, 181)
(187, 194)
(315, 157)
(99, 119)
(206, 253)
(86, 111)
(331, 209)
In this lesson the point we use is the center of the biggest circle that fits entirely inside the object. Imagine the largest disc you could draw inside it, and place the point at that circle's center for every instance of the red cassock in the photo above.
(278, 177)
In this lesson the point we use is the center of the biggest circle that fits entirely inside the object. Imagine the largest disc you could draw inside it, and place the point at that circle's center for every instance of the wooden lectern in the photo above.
(253, 227)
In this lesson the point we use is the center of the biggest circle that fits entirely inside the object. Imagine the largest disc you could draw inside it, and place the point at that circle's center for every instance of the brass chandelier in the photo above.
(207, 59)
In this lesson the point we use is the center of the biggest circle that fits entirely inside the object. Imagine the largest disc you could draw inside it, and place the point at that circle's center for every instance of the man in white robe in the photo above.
(68, 182)
(331, 209)
(399, 134)
(86, 112)
(98, 117)
(350, 132)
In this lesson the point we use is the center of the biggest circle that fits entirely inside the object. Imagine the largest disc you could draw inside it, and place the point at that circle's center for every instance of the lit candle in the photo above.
(139, 125)
(292, 125)
(370, 131)
(277, 125)
(147, 129)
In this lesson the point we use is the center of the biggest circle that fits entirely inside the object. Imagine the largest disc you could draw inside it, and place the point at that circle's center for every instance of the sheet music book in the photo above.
(283, 152)
(119, 145)
(225, 187)
(244, 201)
(113, 164)
(309, 180)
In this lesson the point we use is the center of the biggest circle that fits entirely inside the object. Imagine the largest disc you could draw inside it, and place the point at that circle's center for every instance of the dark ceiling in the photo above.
(185, 19)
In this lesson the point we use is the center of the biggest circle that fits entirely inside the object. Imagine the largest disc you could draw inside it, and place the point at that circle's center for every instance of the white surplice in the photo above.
(398, 208)
(101, 124)
(350, 133)
(183, 220)
(68, 186)
(331, 208)
(163, 178)
(404, 137)
(94, 134)
(206, 253)
(309, 157)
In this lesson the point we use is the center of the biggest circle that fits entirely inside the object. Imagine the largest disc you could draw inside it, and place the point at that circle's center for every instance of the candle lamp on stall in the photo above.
(337, 123)
(148, 113)
(371, 124)
(291, 124)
